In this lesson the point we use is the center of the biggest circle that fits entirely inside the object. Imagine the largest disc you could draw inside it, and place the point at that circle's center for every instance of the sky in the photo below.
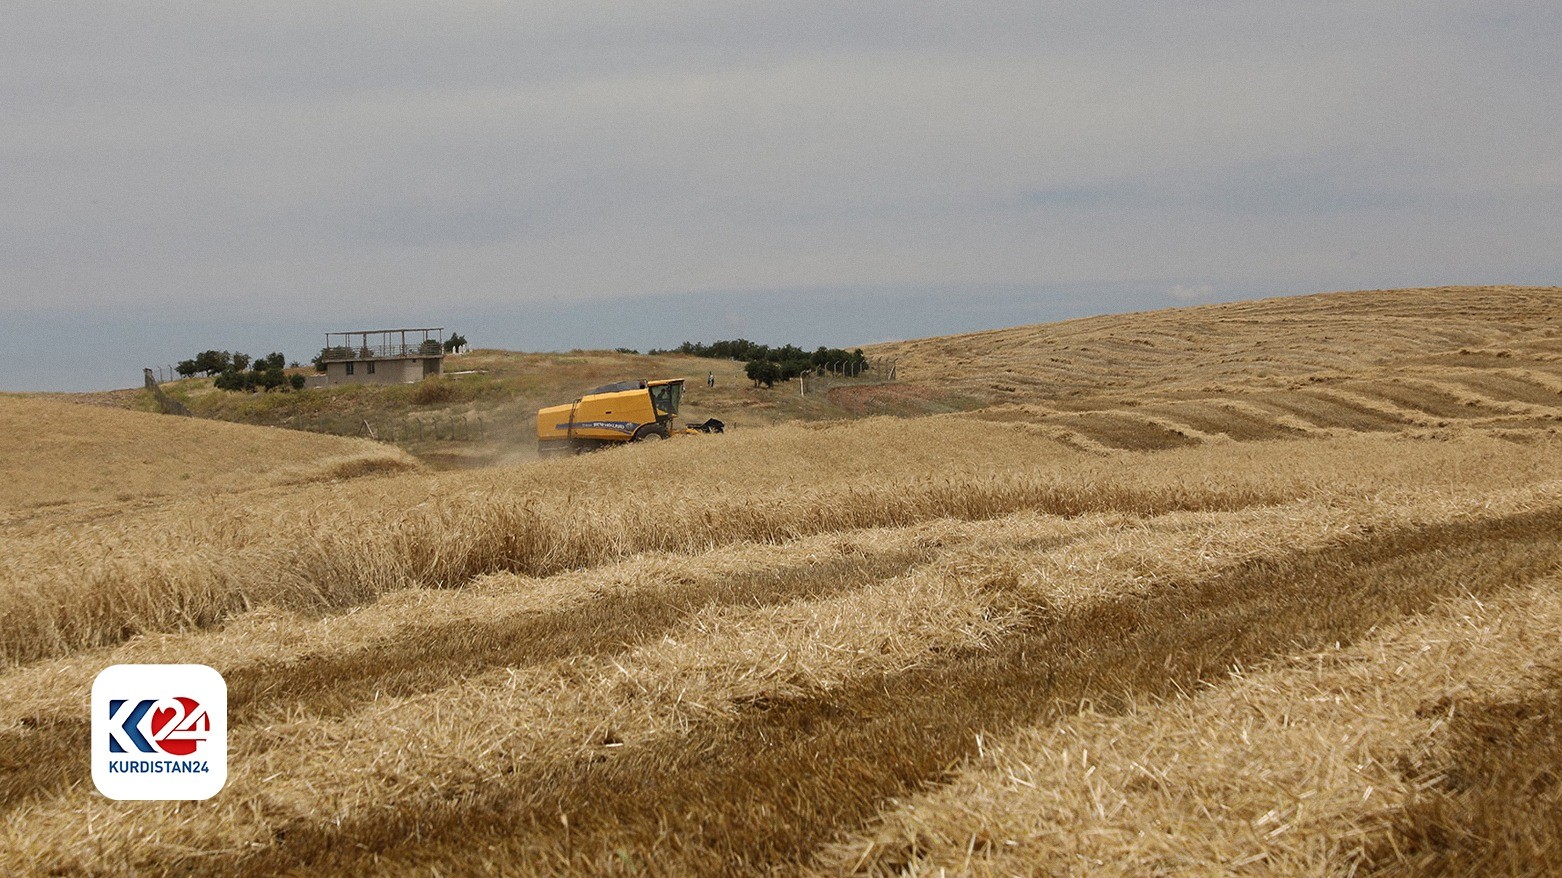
(177, 176)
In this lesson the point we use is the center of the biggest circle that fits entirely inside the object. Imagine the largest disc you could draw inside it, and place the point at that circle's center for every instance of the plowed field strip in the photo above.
(765, 791)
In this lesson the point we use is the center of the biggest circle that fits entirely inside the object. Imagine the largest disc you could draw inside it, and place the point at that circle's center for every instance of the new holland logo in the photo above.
(615, 426)
(159, 732)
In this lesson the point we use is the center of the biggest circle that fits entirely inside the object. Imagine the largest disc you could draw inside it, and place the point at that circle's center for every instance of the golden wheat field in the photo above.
(56, 454)
(1271, 588)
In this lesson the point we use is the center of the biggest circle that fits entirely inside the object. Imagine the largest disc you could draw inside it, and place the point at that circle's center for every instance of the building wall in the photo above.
(397, 371)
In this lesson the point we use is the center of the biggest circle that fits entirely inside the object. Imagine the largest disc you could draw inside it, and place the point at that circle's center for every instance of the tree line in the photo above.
(766, 364)
(239, 371)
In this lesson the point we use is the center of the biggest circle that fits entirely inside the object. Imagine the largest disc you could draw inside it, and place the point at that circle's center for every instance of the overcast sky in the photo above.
(181, 175)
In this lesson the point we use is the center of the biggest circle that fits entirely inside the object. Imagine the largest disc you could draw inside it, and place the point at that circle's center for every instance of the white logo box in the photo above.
(159, 732)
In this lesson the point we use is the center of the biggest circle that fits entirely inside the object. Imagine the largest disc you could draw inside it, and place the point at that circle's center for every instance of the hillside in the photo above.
(998, 640)
(55, 453)
(484, 410)
(1277, 368)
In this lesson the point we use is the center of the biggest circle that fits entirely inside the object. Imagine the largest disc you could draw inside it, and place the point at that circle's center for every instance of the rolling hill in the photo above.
(1326, 364)
(1271, 587)
(57, 453)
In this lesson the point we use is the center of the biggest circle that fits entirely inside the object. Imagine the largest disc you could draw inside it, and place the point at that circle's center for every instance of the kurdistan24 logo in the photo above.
(159, 732)
(174, 726)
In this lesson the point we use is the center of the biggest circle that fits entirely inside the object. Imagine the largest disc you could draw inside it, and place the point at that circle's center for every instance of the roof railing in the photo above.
(356, 345)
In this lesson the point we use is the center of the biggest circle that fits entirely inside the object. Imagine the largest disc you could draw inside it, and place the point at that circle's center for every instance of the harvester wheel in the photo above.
(649, 433)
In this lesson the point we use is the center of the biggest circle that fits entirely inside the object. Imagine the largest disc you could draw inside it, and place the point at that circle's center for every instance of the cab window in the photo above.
(666, 397)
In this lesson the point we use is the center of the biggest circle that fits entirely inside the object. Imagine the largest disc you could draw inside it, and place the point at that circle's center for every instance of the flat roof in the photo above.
(387, 331)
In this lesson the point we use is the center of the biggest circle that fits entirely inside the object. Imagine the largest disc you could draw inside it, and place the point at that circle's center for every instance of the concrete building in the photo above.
(383, 356)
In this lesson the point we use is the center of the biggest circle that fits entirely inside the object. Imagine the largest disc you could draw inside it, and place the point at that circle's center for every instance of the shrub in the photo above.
(230, 379)
(431, 392)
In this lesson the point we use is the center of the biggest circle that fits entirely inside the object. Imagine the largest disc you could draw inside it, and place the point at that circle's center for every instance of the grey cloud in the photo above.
(1068, 196)
(356, 154)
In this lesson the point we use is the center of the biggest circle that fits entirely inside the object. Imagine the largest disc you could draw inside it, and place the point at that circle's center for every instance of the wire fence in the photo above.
(853, 372)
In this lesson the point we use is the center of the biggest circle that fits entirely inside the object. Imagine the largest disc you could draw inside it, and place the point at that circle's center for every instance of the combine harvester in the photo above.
(613, 414)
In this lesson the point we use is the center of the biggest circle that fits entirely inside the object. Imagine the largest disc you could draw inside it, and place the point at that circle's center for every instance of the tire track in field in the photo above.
(765, 792)
(49, 755)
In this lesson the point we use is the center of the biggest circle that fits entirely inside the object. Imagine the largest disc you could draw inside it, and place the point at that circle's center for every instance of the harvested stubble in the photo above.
(1347, 361)
(621, 664)
(816, 708)
(1428, 749)
(417, 643)
(193, 564)
(56, 453)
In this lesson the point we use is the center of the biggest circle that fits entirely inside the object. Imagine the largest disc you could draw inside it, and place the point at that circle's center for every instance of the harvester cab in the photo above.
(613, 414)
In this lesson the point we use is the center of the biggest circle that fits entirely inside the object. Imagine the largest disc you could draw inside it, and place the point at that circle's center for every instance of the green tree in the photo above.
(270, 379)
(213, 362)
(238, 371)
(763, 372)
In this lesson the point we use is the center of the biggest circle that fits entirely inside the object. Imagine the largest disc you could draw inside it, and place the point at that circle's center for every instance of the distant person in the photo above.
(710, 379)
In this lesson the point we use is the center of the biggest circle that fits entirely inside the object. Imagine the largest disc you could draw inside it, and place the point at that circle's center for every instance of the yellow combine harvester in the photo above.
(629, 411)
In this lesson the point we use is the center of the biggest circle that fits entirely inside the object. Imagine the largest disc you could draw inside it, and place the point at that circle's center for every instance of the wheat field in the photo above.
(1272, 588)
(57, 454)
